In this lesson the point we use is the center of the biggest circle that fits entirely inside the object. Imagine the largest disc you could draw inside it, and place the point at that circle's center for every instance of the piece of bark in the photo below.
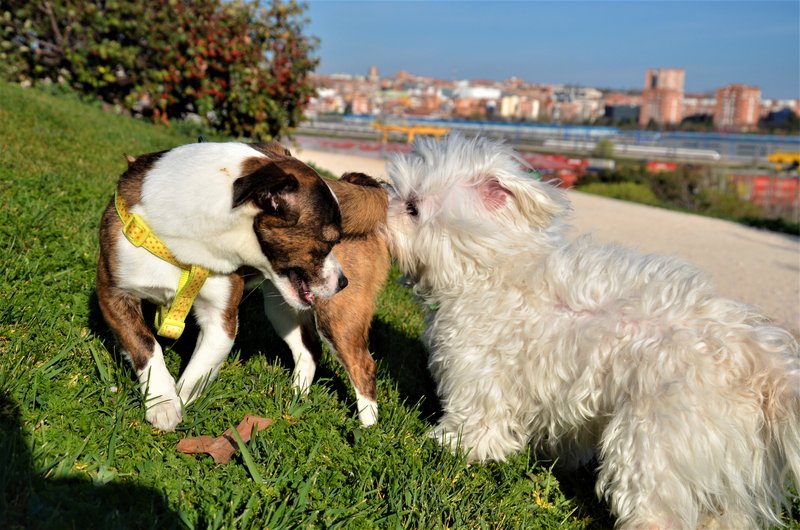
(223, 447)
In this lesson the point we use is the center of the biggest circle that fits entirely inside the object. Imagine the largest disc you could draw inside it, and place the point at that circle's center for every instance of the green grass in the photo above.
(77, 450)
(625, 191)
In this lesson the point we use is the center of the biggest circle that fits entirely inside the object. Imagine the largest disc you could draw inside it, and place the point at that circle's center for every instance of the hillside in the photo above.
(78, 451)
(72, 431)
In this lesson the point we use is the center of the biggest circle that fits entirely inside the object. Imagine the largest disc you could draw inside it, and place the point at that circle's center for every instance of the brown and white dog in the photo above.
(343, 321)
(220, 206)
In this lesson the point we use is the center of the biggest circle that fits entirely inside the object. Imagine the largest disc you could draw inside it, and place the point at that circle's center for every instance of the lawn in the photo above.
(78, 452)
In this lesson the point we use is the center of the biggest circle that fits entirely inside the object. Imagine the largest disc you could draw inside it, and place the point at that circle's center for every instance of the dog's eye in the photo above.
(411, 208)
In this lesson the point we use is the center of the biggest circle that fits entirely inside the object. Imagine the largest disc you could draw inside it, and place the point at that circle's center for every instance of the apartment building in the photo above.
(698, 104)
(662, 97)
(520, 107)
(738, 107)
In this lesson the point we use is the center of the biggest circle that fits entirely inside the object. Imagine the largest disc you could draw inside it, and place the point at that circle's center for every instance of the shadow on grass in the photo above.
(403, 359)
(579, 485)
(29, 500)
(255, 334)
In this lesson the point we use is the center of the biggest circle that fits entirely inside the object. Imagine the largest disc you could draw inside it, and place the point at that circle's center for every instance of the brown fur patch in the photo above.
(122, 312)
(253, 164)
(272, 150)
(230, 317)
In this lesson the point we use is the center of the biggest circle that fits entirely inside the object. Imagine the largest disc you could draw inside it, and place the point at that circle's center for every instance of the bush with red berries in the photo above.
(240, 67)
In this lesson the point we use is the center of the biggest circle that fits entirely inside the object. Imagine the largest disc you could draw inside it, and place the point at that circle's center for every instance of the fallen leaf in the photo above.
(223, 447)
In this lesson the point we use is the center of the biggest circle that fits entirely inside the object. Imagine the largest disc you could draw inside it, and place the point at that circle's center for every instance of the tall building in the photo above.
(662, 97)
(738, 107)
(373, 75)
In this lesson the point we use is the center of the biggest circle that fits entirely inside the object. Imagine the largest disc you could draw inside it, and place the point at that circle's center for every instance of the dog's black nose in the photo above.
(342, 282)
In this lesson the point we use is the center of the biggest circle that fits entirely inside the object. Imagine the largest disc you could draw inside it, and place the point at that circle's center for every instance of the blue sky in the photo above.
(606, 44)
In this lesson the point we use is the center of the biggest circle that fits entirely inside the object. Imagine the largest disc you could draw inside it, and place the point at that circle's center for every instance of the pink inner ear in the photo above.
(493, 194)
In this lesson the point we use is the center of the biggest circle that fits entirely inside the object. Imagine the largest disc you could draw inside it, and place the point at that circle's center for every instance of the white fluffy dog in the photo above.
(690, 401)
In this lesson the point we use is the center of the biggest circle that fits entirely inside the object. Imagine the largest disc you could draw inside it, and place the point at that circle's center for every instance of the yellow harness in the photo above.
(169, 321)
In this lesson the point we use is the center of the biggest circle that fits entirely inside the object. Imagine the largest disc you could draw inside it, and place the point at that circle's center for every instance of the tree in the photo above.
(241, 67)
(604, 148)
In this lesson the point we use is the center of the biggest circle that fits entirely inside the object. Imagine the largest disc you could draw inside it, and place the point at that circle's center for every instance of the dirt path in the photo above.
(758, 267)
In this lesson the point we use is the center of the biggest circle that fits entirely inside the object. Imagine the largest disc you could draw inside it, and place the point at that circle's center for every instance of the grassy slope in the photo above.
(78, 451)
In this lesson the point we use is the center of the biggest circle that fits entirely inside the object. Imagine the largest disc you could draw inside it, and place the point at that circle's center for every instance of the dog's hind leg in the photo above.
(298, 332)
(216, 311)
(676, 457)
(123, 313)
(635, 474)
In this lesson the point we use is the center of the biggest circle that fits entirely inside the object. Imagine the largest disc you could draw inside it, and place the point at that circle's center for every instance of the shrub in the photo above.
(240, 67)
(625, 172)
(676, 187)
(626, 191)
(774, 224)
(604, 148)
(726, 205)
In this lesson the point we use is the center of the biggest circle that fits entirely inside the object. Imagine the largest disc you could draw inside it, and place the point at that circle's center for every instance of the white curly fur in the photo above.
(690, 401)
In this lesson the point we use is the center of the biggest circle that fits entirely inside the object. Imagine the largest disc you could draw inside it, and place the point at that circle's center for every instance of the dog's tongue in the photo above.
(303, 291)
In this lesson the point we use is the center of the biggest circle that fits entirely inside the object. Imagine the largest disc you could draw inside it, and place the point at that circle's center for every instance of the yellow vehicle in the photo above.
(785, 160)
(409, 130)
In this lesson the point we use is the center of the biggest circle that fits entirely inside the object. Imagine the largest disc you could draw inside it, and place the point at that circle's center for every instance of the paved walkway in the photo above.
(758, 267)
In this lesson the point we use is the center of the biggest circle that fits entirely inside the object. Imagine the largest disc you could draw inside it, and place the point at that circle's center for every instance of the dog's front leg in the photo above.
(302, 340)
(479, 439)
(216, 311)
(123, 312)
(480, 414)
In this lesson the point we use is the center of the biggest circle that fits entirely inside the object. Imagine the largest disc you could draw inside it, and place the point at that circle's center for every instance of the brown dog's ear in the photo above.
(268, 187)
(360, 179)
(271, 149)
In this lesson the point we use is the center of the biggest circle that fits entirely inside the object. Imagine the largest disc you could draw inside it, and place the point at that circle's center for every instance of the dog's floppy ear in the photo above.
(271, 149)
(268, 188)
(361, 179)
(535, 201)
(493, 194)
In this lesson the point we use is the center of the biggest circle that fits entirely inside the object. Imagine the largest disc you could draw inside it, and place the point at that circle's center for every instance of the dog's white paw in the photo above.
(189, 391)
(303, 374)
(367, 410)
(186, 392)
(163, 405)
(165, 414)
(444, 437)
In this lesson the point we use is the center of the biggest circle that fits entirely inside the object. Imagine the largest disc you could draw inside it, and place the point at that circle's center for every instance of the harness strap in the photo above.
(170, 322)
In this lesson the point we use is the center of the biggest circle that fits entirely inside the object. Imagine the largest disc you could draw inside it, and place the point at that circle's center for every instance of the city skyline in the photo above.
(605, 44)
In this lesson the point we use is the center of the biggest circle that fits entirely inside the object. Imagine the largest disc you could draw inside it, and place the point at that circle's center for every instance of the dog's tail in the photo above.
(363, 202)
